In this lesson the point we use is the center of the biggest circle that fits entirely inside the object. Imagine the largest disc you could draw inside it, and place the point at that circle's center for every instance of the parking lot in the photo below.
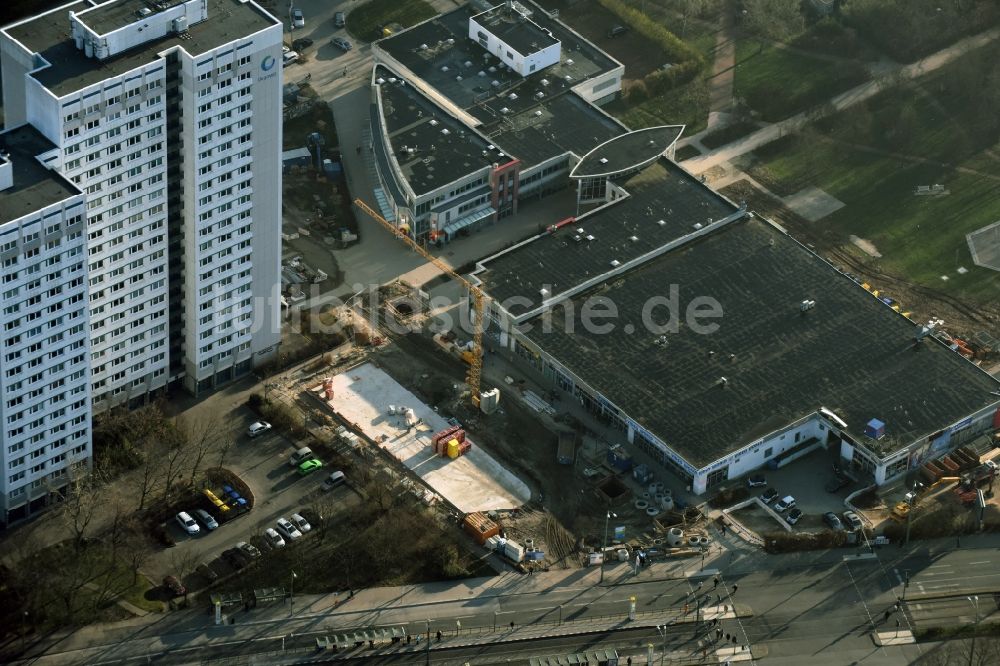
(806, 480)
(279, 491)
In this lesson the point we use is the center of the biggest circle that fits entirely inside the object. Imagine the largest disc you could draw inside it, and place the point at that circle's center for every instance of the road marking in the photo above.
(983, 562)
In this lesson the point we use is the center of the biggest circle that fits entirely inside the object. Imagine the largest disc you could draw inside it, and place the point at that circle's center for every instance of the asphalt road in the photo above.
(822, 605)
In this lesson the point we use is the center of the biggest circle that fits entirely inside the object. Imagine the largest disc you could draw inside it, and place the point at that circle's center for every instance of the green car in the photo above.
(309, 466)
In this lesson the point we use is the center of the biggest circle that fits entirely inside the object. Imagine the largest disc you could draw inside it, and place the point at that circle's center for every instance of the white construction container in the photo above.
(513, 550)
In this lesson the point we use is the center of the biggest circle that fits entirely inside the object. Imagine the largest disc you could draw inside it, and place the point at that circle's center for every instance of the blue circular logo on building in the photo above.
(267, 63)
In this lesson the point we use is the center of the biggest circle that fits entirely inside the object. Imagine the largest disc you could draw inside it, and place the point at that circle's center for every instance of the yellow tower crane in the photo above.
(474, 375)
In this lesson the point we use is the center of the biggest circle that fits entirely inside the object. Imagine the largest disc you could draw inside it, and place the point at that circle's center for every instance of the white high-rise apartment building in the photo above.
(45, 378)
(167, 115)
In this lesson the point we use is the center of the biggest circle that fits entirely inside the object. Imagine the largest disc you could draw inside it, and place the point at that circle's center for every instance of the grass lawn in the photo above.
(727, 134)
(687, 105)
(365, 22)
(136, 596)
(778, 83)
(920, 238)
(686, 153)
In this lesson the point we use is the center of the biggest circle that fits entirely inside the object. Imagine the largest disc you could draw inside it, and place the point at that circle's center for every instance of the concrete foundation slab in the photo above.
(473, 482)
(813, 203)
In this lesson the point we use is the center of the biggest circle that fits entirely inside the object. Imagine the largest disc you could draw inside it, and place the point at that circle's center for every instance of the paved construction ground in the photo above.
(473, 482)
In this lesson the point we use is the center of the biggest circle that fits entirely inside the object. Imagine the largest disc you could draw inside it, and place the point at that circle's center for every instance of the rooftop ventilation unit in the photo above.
(697, 226)
(603, 160)
(569, 61)
(723, 382)
(662, 223)
(144, 12)
(434, 123)
(807, 305)
(493, 70)
(499, 155)
(446, 131)
(580, 231)
(538, 114)
(379, 81)
(495, 83)
(512, 96)
(458, 78)
(544, 293)
(392, 79)
(467, 63)
(578, 238)
(481, 73)
(505, 110)
(450, 40)
(444, 68)
(568, 78)
(423, 47)
(633, 238)
(539, 95)
(615, 263)
(590, 238)
(544, 82)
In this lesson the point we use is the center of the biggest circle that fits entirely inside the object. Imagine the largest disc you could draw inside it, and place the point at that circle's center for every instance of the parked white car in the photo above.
(273, 539)
(301, 523)
(258, 428)
(298, 18)
(785, 504)
(187, 523)
(288, 530)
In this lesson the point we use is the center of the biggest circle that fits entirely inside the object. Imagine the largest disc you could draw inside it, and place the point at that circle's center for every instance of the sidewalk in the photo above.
(860, 93)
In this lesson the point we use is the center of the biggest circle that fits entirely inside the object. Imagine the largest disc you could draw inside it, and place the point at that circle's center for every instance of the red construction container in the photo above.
(465, 447)
(459, 435)
(445, 434)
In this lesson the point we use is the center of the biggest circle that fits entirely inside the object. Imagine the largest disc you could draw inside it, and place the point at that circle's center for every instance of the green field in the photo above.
(778, 83)
(687, 105)
(872, 157)
(365, 22)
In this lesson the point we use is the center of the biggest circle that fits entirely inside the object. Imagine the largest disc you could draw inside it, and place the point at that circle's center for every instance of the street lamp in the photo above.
(427, 650)
(291, 595)
(974, 600)
(662, 630)
(607, 517)
(913, 504)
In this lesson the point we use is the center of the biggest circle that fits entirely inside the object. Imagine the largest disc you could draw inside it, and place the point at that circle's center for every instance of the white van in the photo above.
(300, 456)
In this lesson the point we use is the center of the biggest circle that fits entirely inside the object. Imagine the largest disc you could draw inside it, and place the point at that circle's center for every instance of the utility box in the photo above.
(489, 400)
(875, 429)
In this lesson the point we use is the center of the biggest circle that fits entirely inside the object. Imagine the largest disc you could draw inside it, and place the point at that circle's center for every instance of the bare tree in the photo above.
(225, 445)
(79, 512)
(183, 561)
(177, 449)
(776, 20)
(203, 436)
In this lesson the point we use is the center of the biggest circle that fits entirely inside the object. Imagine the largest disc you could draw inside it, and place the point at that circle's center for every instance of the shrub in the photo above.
(256, 403)
(787, 542)
(637, 92)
